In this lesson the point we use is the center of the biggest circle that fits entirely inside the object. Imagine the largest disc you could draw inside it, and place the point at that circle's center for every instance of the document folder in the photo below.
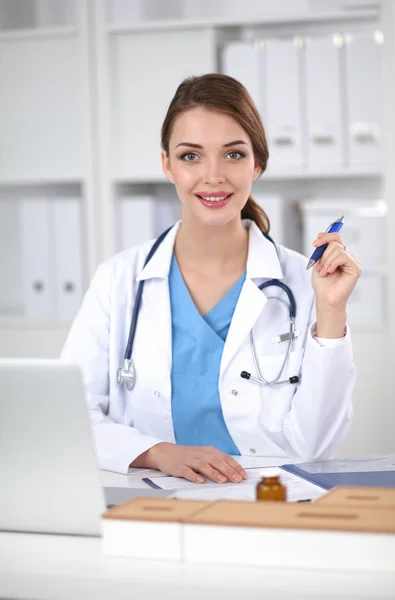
(374, 471)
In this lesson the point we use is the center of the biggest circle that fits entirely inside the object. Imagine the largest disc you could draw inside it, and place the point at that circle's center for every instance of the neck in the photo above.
(225, 247)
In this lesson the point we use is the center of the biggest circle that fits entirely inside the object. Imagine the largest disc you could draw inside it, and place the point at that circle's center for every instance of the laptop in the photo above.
(49, 475)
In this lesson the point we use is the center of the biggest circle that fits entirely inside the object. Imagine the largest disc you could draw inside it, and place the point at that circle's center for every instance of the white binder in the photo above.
(136, 217)
(245, 63)
(34, 219)
(68, 257)
(283, 118)
(326, 135)
(363, 77)
(168, 211)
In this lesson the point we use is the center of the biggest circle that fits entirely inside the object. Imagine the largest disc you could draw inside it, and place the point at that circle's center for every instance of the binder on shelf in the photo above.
(283, 215)
(38, 290)
(373, 471)
(136, 220)
(365, 235)
(283, 118)
(364, 91)
(68, 257)
(325, 125)
(168, 211)
(245, 62)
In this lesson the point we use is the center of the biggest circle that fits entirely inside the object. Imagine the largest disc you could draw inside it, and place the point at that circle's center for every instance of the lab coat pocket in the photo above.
(276, 399)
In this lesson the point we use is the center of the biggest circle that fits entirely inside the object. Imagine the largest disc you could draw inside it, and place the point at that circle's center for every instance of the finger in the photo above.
(224, 468)
(328, 255)
(326, 238)
(236, 466)
(203, 467)
(190, 475)
(344, 260)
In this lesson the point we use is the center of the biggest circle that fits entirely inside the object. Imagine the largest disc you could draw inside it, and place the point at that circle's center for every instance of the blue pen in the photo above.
(318, 252)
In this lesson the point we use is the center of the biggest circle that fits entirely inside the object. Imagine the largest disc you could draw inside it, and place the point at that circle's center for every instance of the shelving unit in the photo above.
(105, 71)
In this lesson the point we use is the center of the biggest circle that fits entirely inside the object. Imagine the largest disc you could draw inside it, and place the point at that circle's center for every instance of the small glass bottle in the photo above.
(270, 487)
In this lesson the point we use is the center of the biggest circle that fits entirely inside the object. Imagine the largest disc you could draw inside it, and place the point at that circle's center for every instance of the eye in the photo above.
(189, 156)
(235, 155)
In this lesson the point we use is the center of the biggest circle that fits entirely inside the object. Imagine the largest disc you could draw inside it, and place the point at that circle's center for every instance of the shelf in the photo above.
(19, 322)
(274, 175)
(31, 34)
(278, 19)
(39, 182)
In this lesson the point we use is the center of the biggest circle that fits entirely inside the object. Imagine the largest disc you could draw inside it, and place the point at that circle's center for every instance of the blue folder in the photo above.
(373, 471)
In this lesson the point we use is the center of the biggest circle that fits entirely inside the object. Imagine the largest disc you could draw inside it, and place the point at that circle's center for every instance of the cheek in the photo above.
(184, 177)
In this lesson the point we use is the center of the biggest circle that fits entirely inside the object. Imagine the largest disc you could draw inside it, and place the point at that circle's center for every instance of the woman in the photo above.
(190, 410)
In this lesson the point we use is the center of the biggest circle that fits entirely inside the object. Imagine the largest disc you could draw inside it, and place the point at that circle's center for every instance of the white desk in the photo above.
(55, 567)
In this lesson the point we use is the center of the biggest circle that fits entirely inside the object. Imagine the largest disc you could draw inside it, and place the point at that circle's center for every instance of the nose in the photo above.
(213, 174)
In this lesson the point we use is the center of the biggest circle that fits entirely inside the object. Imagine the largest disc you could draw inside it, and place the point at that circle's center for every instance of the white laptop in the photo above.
(49, 475)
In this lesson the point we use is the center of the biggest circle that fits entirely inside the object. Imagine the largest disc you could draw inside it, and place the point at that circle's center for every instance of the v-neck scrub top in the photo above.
(197, 346)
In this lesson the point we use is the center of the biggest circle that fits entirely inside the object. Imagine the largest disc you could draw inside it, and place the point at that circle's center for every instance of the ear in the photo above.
(257, 171)
(166, 165)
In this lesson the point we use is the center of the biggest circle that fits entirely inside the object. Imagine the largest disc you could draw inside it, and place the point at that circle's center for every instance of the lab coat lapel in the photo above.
(249, 306)
(262, 264)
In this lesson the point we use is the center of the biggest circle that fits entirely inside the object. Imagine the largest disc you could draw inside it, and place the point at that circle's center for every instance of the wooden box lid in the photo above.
(295, 516)
(155, 509)
(369, 497)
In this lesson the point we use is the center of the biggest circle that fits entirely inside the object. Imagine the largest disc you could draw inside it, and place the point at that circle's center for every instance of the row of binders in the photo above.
(319, 96)
(50, 233)
(347, 528)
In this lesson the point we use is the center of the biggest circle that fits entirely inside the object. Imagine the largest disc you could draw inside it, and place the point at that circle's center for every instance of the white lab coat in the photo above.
(307, 420)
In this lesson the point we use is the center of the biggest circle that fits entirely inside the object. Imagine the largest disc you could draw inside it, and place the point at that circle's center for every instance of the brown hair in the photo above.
(226, 95)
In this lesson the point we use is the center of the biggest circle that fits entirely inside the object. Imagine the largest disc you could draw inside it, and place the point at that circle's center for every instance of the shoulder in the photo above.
(123, 266)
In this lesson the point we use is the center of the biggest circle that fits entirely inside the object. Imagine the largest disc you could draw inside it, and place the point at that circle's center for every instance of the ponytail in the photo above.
(255, 213)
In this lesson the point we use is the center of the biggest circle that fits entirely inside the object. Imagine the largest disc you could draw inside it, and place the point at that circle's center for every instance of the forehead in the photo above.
(206, 127)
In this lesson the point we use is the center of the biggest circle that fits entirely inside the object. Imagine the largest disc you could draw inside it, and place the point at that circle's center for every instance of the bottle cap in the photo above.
(271, 472)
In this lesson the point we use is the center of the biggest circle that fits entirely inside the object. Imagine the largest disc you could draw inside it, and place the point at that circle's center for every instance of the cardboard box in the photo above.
(359, 497)
(147, 527)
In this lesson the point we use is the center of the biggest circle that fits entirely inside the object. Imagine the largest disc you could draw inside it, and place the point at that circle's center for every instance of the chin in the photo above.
(217, 217)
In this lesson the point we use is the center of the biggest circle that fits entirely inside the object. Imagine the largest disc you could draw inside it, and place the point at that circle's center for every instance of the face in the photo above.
(212, 165)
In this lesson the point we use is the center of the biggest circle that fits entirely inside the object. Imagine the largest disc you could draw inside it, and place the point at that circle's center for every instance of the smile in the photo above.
(214, 200)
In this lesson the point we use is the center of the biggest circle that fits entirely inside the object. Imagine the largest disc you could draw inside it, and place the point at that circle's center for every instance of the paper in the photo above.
(297, 488)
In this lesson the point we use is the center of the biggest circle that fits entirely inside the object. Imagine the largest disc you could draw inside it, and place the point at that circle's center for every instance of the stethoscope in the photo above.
(126, 375)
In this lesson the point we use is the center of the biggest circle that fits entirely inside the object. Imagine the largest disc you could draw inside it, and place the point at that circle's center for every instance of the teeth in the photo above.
(213, 199)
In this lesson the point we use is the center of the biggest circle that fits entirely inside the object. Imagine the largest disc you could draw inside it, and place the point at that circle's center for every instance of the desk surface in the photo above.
(56, 567)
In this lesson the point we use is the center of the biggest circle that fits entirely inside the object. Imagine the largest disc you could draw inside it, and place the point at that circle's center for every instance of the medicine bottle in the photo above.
(270, 487)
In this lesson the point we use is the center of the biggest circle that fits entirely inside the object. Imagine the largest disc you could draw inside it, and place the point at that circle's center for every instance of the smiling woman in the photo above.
(236, 143)
(198, 297)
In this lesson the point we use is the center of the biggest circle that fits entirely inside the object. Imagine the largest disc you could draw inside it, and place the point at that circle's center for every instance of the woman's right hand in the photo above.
(194, 463)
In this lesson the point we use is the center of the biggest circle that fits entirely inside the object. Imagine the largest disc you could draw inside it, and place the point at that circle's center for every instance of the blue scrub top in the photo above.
(197, 346)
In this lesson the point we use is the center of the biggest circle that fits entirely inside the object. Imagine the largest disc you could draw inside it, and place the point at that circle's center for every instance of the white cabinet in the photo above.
(40, 109)
(146, 69)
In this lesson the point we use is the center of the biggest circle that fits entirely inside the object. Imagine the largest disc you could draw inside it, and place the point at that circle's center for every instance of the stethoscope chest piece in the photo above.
(127, 375)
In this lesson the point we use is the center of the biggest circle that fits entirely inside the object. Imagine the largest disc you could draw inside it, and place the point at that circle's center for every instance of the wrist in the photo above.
(149, 458)
(331, 322)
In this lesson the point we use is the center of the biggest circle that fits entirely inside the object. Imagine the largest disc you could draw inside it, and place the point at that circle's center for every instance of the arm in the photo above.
(87, 345)
(322, 404)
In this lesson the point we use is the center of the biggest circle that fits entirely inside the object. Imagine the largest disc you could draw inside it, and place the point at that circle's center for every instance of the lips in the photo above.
(214, 199)
(214, 196)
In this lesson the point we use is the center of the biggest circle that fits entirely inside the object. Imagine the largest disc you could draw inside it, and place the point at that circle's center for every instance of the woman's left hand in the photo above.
(335, 274)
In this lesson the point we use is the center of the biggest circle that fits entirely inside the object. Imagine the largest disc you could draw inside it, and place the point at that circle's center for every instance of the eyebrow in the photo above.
(190, 145)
